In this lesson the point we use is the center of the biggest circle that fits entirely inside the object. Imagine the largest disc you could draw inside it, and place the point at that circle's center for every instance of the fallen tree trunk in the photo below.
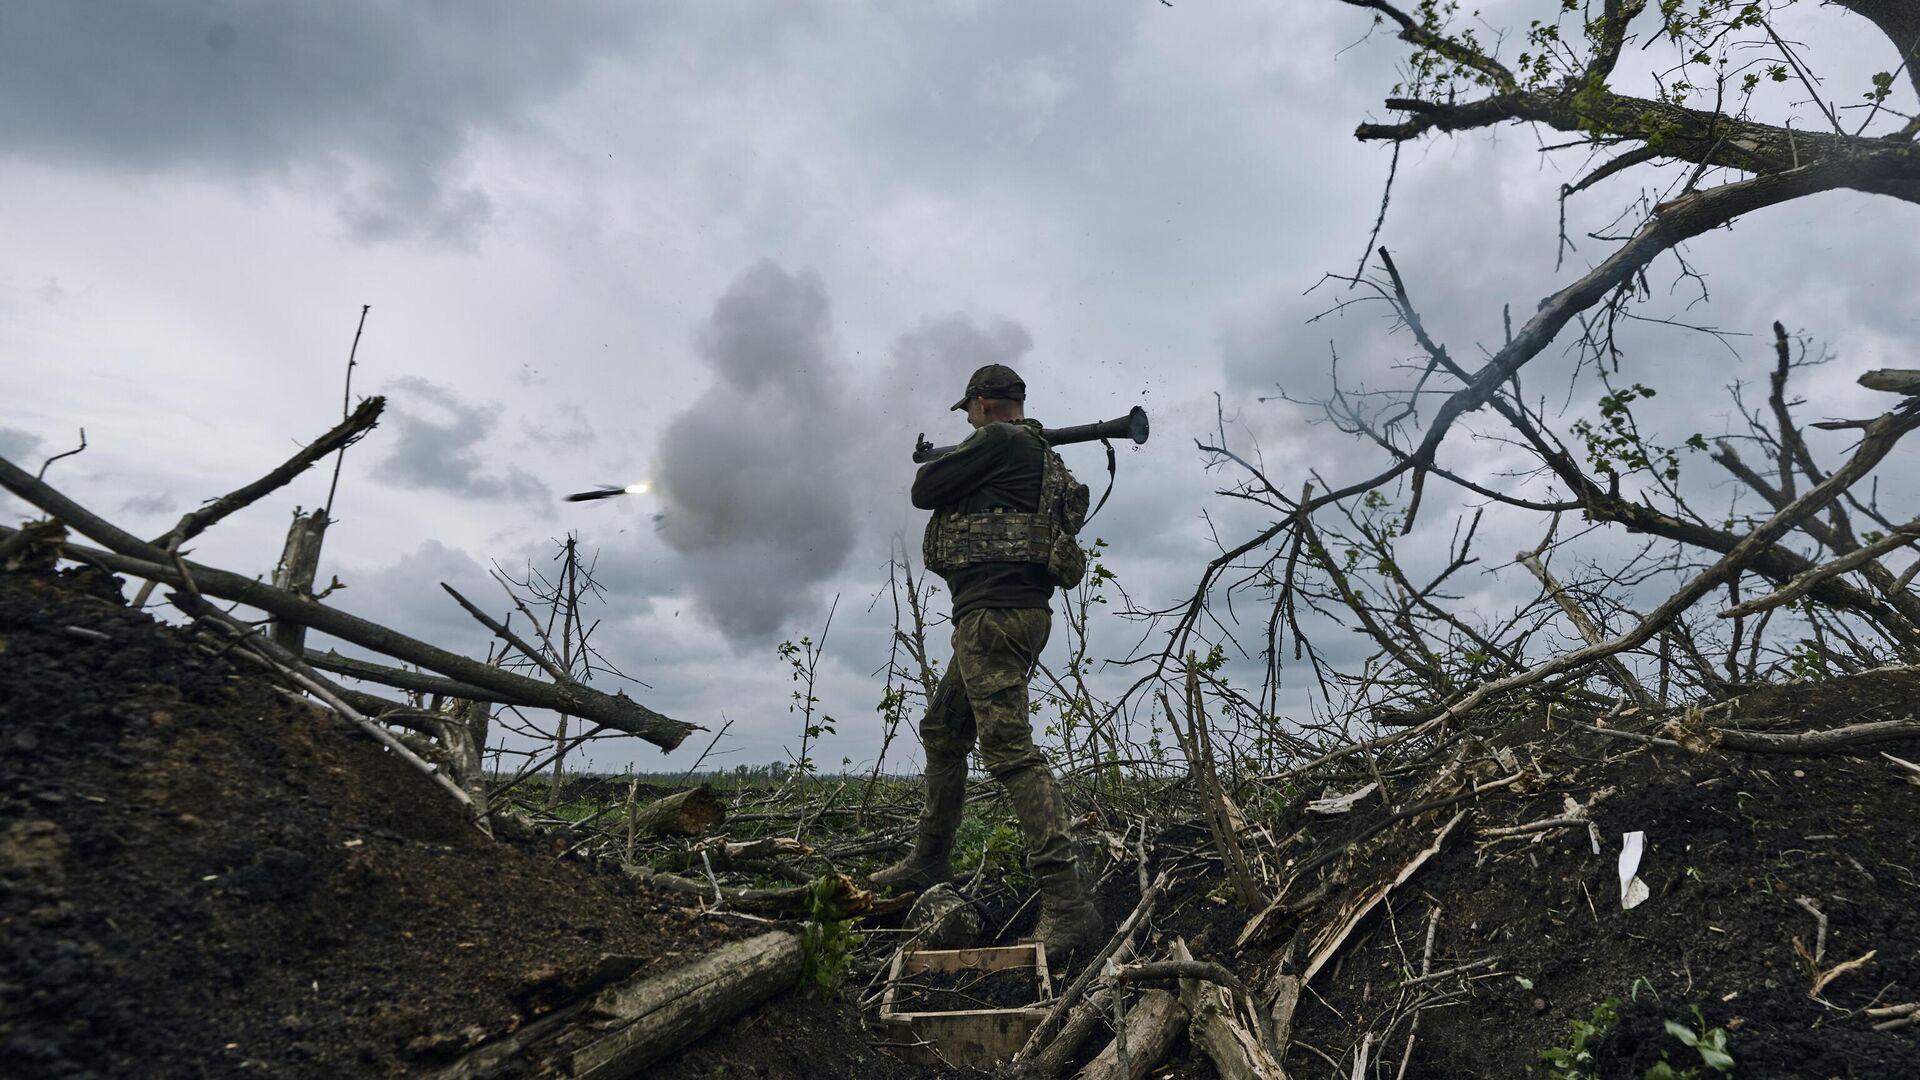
(1153, 1025)
(402, 678)
(644, 1021)
(686, 813)
(134, 556)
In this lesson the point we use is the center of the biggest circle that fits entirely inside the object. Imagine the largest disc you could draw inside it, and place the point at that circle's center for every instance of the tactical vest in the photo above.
(1048, 536)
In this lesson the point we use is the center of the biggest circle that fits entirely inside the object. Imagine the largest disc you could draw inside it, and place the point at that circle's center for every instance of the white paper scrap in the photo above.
(1633, 891)
(1340, 804)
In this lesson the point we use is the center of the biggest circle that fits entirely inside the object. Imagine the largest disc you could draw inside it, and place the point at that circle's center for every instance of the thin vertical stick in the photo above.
(346, 404)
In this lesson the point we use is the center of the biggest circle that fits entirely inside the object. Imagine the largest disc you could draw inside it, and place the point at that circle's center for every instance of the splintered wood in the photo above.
(1334, 933)
(1221, 1029)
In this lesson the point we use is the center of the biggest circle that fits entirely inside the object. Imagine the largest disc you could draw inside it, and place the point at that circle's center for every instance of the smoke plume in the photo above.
(752, 476)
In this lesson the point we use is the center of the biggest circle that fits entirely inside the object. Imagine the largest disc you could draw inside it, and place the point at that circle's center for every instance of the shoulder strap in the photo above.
(1112, 469)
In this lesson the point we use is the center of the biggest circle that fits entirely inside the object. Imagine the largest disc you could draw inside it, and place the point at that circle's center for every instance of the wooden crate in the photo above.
(969, 1037)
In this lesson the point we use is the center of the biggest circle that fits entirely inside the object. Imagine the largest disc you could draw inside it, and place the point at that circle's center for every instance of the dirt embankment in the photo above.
(1738, 848)
(201, 878)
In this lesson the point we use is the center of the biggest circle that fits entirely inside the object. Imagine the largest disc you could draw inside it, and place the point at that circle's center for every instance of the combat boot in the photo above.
(930, 862)
(922, 869)
(1069, 923)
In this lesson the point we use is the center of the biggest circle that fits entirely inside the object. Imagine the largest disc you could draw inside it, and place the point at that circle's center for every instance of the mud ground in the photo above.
(200, 878)
(1734, 843)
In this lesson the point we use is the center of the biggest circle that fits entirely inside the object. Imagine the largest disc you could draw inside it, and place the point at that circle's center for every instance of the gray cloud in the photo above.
(161, 502)
(16, 445)
(750, 475)
(945, 349)
(406, 594)
(375, 103)
(436, 449)
(568, 431)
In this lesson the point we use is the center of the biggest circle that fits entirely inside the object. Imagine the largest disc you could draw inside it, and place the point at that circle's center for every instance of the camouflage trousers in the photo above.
(982, 699)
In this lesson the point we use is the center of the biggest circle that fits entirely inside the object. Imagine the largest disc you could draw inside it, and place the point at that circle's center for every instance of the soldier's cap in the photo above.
(993, 381)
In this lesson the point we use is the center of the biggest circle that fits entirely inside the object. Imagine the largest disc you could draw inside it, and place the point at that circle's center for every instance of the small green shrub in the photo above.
(1573, 1061)
(1709, 1043)
(828, 939)
(997, 842)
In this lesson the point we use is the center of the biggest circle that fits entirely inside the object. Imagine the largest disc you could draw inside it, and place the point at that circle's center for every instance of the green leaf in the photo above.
(1682, 1032)
(1713, 1051)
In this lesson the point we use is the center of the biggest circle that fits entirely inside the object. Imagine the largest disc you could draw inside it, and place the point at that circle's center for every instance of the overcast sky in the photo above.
(748, 251)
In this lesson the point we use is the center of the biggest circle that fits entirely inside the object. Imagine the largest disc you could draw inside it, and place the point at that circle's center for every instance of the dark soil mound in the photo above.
(199, 877)
(1738, 846)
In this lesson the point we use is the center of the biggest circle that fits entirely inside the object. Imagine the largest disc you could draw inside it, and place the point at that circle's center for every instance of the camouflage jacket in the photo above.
(999, 467)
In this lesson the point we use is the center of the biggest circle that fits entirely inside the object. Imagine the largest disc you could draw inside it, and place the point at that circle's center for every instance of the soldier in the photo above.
(988, 538)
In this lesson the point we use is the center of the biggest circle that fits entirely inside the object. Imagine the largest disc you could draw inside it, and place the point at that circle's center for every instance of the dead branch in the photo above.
(402, 679)
(342, 435)
(1589, 632)
(1049, 1026)
(1804, 582)
(1152, 1027)
(1219, 1027)
(131, 555)
(63, 454)
(1880, 436)
(1334, 933)
(290, 669)
(1810, 742)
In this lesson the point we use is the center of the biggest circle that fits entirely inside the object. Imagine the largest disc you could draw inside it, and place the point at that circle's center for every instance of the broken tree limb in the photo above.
(32, 544)
(793, 902)
(1154, 1024)
(1804, 582)
(500, 631)
(616, 711)
(728, 854)
(1334, 934)
(1878, 439)
(402, 679)
(299, 563)
(1813, 741)
(342, 435)
(1219, 1025)
(1589, 630)
(1901, 613)
(1912, 770)
(1185, 968)
(192, 604)
(1197, 741)
(1052, 1061)
(131, 555)
(1049, 1025)
(645, 1020)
